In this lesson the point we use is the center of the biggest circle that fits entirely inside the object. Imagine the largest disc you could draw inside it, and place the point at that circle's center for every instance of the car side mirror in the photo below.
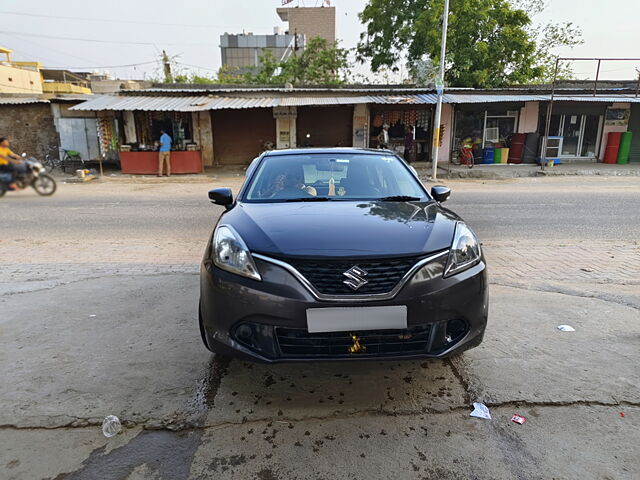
(221, 196)
(440, 193)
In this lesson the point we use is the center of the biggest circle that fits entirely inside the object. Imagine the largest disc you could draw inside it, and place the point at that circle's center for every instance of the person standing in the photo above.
(408, 143)
(383, 137)
(164, 155)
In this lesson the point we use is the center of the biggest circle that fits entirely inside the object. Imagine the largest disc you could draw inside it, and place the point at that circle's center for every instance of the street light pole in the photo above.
(440, 90)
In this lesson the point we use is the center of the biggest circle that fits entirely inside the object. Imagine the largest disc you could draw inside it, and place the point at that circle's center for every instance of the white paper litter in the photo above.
(566, 328)
(480, 410)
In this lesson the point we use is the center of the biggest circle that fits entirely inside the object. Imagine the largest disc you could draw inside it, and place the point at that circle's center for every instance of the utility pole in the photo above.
(440, 91)
(166, 64)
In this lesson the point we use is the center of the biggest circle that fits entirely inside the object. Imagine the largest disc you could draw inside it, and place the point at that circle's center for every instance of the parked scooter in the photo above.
(35, 176)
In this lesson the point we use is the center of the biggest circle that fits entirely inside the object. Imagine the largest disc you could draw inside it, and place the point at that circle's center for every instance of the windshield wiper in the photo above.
(309, 199)
(399, 198)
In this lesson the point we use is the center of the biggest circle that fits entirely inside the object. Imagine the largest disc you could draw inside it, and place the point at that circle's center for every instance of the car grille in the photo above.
(298, 342)
(328, 276)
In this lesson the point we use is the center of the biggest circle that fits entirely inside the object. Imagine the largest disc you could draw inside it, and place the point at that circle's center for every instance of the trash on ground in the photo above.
(566, 328)
(621, 414)
(92, 315)
(111, 426)
(480, 410)
(518, 419)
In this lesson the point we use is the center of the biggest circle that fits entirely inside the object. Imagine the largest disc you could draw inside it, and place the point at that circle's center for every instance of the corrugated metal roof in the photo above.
(490, 98)
(146, 103)
(211, 102)
(202, 103)
(418, 99)
(373, 89)
(597, 98)
(21, 100)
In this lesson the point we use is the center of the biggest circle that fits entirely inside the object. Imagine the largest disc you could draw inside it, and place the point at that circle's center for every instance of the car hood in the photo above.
(343, 228)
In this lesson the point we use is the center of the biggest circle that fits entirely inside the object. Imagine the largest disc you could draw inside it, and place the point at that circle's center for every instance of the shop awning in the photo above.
(491, 98)
(414, 99)
(145, 103)
(21, 100)
(203, 103)
(597, 98)
(215, 102)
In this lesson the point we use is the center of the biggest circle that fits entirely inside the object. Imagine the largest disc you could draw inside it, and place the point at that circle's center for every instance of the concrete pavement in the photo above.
(98, 317)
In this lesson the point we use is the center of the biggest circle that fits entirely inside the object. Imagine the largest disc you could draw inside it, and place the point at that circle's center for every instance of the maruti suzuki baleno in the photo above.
(334, 254)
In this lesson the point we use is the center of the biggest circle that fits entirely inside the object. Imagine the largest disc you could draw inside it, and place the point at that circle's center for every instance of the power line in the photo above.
(119, 42)
(67, 54)
(106, 20)
(197, 66)
(106, 66)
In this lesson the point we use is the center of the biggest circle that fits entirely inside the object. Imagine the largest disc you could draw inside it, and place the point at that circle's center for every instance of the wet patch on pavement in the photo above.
(167, 455)
(251, 391)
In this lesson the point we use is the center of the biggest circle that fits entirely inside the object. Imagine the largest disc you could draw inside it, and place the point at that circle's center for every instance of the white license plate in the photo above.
(343, 319)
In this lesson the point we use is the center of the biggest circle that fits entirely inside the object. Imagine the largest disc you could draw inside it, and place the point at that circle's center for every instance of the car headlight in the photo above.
(230, 253)
(465, 251)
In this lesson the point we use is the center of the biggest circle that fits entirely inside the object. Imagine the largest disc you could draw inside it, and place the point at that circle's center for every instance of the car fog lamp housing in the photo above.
(465, 251)
(257, 337)
(230, 253)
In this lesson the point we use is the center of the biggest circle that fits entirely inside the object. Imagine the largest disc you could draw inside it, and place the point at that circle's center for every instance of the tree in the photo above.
(228, 75)
(320, 63)
(550, 38)
(490, 43)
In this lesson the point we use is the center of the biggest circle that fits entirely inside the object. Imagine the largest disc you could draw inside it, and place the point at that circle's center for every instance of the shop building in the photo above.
(230, 125)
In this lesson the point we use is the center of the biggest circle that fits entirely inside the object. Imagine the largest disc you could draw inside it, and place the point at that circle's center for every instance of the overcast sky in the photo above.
(125, 32)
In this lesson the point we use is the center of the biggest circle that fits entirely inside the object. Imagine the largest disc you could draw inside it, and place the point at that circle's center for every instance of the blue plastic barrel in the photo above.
(488, 154)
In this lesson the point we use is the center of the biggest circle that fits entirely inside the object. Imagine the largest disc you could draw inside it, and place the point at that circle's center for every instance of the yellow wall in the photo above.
(19, 80)
(60, 87)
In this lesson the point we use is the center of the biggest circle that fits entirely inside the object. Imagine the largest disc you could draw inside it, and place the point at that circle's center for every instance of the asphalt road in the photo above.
(589, 208)
(98, 291)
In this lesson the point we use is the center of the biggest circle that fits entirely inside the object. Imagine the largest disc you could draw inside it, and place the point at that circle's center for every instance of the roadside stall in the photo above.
(139, 151)
(400, 118)
(486, 131)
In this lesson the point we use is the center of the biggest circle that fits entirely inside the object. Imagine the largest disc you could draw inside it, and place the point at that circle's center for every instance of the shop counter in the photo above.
(146, 163)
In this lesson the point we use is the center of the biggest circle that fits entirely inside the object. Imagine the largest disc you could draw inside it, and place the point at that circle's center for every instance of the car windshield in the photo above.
(333, 176)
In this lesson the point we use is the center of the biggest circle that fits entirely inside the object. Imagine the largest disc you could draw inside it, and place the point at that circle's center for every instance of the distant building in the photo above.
(310, 21)
(18, 77)
(242, 52)
(65, 81)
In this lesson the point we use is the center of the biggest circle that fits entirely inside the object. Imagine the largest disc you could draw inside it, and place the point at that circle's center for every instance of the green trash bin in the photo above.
(497, 155)
(625, 147)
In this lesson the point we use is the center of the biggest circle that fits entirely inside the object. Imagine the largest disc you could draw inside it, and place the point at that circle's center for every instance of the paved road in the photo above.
(98, 289)
(541, 209)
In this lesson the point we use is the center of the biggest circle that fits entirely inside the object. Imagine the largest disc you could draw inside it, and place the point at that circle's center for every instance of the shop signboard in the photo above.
(617, 116)
(282, 112)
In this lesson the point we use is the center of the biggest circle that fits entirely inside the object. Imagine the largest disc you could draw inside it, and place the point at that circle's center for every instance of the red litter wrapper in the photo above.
(518, 419)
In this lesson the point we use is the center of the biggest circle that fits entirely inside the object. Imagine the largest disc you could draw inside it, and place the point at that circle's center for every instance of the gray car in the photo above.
(340, 254)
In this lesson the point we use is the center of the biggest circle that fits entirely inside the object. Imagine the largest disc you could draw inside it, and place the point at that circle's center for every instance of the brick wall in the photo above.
(312, 22)
(29, 128)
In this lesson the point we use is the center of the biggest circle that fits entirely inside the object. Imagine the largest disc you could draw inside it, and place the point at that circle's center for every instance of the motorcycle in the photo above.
(35, 176)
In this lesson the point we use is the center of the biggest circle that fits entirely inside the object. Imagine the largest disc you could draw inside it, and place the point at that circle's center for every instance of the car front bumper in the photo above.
(277, 306)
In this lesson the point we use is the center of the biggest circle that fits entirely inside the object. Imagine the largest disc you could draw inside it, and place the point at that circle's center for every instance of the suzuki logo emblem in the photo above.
(355, 277)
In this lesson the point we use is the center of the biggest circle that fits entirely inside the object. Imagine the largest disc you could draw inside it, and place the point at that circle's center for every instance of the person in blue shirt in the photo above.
(164, 155)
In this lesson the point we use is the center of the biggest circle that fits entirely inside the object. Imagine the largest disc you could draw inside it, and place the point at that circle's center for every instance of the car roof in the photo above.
(312, 150)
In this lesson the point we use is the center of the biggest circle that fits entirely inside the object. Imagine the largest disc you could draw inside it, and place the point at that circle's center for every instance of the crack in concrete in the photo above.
(371, 412)
(463, 381)
(569, 292)
(98, 277)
